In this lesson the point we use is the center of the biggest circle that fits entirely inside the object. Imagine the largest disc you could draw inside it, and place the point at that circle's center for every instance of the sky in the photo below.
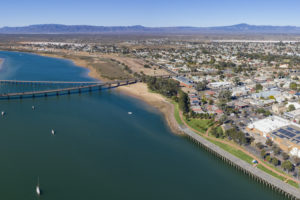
(151, 13)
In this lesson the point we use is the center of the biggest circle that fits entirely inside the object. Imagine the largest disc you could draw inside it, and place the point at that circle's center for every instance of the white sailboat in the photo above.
(52, 132)
(37, 189)
(3, 113)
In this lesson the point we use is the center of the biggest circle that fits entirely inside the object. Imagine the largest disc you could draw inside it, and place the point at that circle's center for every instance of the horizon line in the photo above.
(191, 26)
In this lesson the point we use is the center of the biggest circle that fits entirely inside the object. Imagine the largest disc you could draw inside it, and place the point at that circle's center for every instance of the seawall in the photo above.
(258, 175)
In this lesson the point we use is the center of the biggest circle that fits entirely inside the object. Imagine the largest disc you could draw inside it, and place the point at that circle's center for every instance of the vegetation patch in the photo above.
(200, 125)
(259, 166)
(293, 183)
(176, 113)
(233, 151)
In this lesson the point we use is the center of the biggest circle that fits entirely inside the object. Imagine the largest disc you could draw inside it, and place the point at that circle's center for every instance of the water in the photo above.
(99, 151)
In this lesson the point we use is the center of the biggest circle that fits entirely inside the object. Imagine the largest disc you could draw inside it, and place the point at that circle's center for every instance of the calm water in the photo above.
(99, 151)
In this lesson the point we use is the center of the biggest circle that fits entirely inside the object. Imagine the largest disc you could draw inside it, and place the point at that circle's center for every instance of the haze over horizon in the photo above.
(151, 13)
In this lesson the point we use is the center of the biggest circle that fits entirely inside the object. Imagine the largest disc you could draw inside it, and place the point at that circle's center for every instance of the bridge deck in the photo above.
(48, 82)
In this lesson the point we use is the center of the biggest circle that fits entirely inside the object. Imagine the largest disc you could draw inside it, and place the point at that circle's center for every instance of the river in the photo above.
(99, 151)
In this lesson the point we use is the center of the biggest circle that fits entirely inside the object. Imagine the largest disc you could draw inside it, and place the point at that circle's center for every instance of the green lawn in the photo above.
(275, 168)
(293, 183)
(176, 113)
(200, 125)
(233, 151)
(259, 166)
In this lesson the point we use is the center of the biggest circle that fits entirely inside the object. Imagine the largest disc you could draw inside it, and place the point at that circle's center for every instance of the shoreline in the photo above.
(1, 62)
(78, 62)
(139, 91)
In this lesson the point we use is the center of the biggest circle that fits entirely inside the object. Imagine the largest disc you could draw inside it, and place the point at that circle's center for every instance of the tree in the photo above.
(263, 153)
(223, 119)
(225, 95)
(272, 97)
(293, 86)
(296, 160)
(276, 149)
(237, 136)
(217, 132)
(258, 87)
(259, 145)
(287, 165)
(281, 74)
(166, 87)
(291, 107)
(201, 86)
(237, 81)
(275, 161)
(268, 158)
(183, 102)
(269, 142)
(285, 156)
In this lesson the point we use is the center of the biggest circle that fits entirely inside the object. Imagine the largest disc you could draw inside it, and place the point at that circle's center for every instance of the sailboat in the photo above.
(37, 189)
(52, 132)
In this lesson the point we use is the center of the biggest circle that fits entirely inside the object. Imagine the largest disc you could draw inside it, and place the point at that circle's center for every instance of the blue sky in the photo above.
(150, 12)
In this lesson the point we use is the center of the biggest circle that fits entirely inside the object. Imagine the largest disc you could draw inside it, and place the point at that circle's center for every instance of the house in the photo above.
(278, 108)
(240, 105)
(184, 81)
(197, 109)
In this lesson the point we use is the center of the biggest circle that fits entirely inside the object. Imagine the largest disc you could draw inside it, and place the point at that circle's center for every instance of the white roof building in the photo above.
(269, 124)
(297, 105)
(219, 84)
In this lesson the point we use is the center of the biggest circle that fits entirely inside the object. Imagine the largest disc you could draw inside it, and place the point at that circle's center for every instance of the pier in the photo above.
(78, 87)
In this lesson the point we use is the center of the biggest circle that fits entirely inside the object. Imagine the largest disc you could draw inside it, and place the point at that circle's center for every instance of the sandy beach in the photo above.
(139, 91)
(1, 62)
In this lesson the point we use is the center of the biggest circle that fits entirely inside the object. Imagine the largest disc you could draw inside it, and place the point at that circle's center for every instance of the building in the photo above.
(219, 84)
(297, 105)
(266, 94)
(282, 131)
(184, 81)
(278, 108)
(293, 115)
(240, 105)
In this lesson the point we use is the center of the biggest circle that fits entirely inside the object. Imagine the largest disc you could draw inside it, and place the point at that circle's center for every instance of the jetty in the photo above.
(78, 87)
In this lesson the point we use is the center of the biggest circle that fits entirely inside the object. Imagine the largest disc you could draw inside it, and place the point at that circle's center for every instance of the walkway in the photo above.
(238, 148)
(267, 178)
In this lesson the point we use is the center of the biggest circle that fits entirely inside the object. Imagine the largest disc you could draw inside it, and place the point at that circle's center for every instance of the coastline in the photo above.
(139, 91)
(1, 62)
(78, 62)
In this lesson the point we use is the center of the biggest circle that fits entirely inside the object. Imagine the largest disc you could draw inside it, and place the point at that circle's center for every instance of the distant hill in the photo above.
(85, 29)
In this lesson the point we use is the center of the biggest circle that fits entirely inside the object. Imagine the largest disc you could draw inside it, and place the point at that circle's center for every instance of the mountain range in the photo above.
(86, 29)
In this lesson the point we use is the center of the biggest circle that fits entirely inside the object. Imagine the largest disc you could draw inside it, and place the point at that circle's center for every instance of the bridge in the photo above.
(75, 87)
